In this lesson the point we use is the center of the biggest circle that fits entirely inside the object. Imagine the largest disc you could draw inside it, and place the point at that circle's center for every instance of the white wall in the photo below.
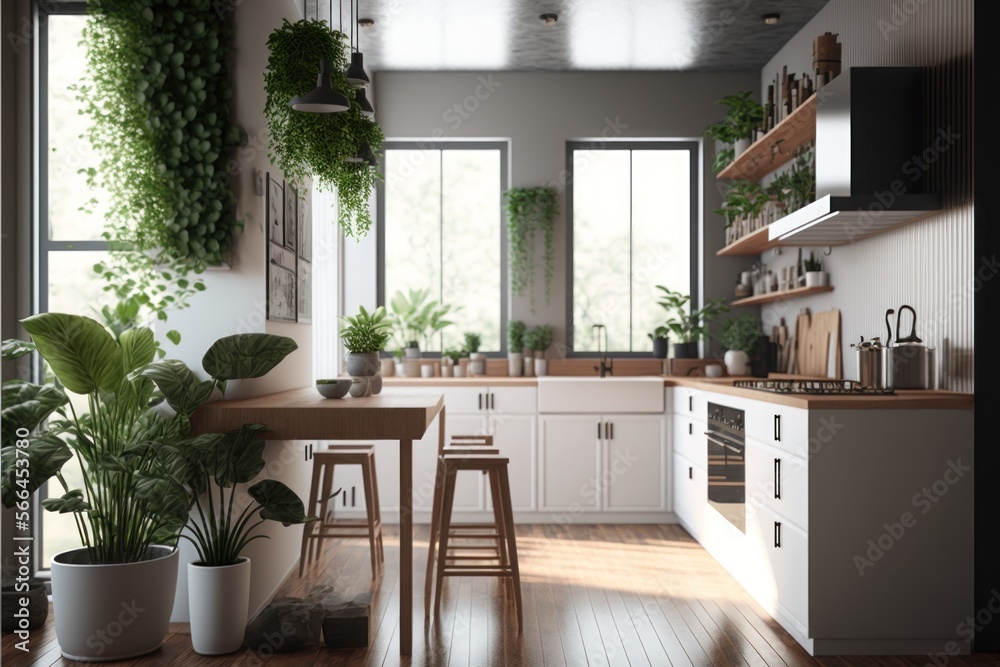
(928, 264)
(235, 301)
(539, 112)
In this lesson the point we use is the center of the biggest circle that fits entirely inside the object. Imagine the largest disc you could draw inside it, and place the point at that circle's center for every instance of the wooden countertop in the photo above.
(903, 398)
(302, 414)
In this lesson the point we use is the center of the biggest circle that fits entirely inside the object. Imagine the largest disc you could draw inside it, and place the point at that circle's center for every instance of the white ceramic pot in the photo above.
(112, 612)
(737, 363)
(459, 371)
(815, 278)
(515, 364)
(427, 371)
(541, 366)
(741, 145)
(529, 363)
(219, 602)
(477, 363)
(446, 370)
(400, 368)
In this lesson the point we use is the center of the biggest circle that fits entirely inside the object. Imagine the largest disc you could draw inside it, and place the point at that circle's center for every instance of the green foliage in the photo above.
(741, 333)
(146, 282)
(515, 335)
(539, 338)
(158, 101)
(796, 186)
(744, 199)
(416, 316)
(530, 211)
(139, 466)
(686, 324)
(316, 145)
(453, 353)
(744, 115)
(813, 263)
(366, 332)
(723, 158)
(659, 332)
(472, 342)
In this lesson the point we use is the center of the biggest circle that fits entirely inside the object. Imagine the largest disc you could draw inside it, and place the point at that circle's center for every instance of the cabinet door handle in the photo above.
(777, 428)
(690, 429)
(690, 403)
(493, 401)
(777, 479)
(606, 430)
(612, 430)
(777, 534)
(690, 472)
(598, 430)
(480, 401)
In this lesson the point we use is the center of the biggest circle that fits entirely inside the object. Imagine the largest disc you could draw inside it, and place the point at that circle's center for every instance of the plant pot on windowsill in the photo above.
(515, 364)
(412, 350)
(686, 350)
(661, 346)
(477, 363)
(541, 364)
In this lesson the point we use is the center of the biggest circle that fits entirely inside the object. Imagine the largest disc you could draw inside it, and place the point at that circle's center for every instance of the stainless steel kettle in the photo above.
(910, 363)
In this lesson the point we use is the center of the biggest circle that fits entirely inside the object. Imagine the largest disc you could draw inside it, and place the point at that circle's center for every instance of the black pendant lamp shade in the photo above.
(366, 107)
(323, 98)
(364, 154)
(356, 76)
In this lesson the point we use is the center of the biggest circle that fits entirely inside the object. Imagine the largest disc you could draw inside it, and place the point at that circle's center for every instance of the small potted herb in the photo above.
(735, 130)
(364, 335)
(449, 363)
(739, 337)
(539, 339)
(815, 276)
(515, 345)
(687, 325)
(661, 342)
(477, 360)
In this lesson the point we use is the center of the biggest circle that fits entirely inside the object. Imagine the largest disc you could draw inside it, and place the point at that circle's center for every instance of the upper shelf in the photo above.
(753, 243)
(777, 146)
(771, 297)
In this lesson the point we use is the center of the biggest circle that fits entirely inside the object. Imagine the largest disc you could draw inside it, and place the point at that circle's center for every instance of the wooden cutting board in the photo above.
(817, 341)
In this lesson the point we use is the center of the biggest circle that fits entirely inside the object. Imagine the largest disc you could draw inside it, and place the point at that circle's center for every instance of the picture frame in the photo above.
(282, 279)
(304, 291)
(291, 217)
(274, 207)
(305, 230)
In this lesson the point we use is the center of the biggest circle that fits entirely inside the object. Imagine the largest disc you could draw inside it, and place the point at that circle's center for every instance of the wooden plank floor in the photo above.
(597, 595)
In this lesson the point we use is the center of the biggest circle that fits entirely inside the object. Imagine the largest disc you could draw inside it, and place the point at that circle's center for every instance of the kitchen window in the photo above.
(633, 211)
(440, 228)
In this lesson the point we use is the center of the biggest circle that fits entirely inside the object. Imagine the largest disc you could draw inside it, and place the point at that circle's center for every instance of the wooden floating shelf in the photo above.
(753, 243)
(795, 130)
(771, 297)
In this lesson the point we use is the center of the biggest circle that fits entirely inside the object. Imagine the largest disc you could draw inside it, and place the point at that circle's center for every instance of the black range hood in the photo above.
(872, 155)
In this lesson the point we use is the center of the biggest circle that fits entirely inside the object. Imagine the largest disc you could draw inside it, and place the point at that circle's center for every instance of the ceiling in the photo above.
(712, 35)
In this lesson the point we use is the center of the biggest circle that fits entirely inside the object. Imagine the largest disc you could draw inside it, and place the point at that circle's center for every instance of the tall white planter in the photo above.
(219, 599)
(737, 362)
(515, 364)
(112, 612)
(541, 366)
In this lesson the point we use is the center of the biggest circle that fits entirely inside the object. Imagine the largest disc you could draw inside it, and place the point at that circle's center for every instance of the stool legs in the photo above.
(511, 545)
(366, 474)
(447, 501)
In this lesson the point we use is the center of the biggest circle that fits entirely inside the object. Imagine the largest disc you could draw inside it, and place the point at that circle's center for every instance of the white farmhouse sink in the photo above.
(574, 395)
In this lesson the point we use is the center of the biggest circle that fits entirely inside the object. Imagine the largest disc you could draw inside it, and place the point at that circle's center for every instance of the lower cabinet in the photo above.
(690, 491)
(635, 466)
(570, 463)
(780, 554)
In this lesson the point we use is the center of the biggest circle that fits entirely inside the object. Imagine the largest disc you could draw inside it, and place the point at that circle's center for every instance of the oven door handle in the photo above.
(722, 443)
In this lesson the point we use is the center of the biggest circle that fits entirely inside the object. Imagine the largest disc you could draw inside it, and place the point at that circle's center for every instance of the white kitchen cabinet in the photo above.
(514, 437)
(634, 471)
(690, 491)
(779, 426)
(487, 400)
(569, 463)
(689, 438)
(778, 480)
(780, 552)
(690, 402)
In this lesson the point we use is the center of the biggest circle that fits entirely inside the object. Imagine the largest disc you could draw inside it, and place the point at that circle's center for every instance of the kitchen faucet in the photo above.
(607, 364)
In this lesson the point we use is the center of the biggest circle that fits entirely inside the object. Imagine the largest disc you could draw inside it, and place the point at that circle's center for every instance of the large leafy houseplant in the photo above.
(530, 211)
(416, 317)
(743, 116)
(158, 98)
(688, 325)
(318, 145)
(744, 199)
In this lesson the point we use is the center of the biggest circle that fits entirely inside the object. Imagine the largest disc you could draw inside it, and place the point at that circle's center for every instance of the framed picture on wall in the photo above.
(291, 217)
(282, 301)
(275, 216)
(305, 230)
(304, 291)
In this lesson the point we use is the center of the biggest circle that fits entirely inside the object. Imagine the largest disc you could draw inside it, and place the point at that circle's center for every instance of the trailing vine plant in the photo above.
(158, 99)
(530, 211)
(316, 145)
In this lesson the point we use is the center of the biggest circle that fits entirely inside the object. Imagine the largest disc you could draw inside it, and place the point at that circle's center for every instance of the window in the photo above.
(633, 208)
(441, 229)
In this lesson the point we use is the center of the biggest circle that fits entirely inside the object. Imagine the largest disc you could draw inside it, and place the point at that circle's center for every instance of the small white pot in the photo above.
(401, 369)
(541, 366)
(529, 364)
(741, 145)
(815, 278)
(737, 363)
(477, 363)
(515, 364)
(427, 371)
(219, 602)
(446, 370)
(459, 371)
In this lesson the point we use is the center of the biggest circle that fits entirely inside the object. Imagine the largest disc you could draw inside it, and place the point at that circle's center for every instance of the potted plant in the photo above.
(539, 339)
(449, 362)
(530, 211)
(477, 360)
(739, 337)
(795, 187)
(661, 342)
(364, 335)
(515, 343)
(688, 326)
(416, 316)
(130, 512)
(744, 115)
(815, 276)
(398, 353)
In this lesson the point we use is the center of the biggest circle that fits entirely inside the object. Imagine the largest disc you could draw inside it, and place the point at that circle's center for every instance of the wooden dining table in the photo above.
(302, 414)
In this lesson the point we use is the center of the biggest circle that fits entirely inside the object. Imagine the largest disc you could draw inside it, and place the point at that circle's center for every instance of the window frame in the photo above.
(503, 145)
(694, 146)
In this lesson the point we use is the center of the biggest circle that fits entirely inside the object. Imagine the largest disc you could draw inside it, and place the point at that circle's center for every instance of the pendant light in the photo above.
(364, 154)
(356, 76)
(324, 98)
(366, 107)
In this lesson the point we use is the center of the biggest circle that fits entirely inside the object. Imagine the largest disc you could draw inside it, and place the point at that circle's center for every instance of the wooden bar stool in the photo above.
(450, 565)
(320, 493)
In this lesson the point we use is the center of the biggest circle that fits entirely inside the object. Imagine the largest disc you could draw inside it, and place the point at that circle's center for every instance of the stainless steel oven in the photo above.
(726, 442)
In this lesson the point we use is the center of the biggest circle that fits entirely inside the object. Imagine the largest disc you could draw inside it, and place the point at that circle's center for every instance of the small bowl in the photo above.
(334, 387)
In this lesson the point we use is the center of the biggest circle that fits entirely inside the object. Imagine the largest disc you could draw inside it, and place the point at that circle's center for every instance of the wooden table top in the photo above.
(302, 414)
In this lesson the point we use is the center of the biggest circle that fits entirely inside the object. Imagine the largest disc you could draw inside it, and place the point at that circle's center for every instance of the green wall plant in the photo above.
(530, 211)
(158, 99)
(313, 145)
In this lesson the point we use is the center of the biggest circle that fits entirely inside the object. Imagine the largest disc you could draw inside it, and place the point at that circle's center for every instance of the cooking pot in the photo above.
(910, 363)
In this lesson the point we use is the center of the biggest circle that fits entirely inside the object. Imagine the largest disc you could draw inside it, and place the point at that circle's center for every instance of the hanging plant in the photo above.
(158, 100)
(530, 211)
(316, 145)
